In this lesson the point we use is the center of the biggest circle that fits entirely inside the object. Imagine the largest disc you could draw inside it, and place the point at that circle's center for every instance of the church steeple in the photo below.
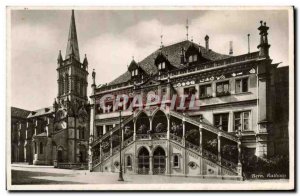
(72, 46)
(72, 74)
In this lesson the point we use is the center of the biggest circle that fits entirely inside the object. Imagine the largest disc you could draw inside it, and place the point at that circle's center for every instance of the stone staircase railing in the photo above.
(205, 126)
(107, 134)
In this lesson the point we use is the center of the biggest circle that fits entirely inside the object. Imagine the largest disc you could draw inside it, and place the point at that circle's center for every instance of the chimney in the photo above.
(230, 48)
(206, 42)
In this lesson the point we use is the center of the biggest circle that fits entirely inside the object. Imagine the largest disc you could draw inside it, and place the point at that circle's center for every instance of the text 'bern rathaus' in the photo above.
(184, 110)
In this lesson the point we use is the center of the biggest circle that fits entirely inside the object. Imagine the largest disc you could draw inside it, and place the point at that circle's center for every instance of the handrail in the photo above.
(205, 126)
(112, 130)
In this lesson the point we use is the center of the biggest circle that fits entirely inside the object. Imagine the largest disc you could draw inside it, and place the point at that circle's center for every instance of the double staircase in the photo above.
(228, 167)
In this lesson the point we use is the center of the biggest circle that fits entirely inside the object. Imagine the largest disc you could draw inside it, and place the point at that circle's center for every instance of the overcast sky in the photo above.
(111, 38)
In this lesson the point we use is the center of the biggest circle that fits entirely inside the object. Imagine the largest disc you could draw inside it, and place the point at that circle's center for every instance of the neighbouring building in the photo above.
(241, 110)
(59, 134)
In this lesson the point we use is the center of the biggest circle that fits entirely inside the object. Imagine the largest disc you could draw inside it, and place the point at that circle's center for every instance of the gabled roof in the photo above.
(173, 51)
(19, 113)
(41, 112)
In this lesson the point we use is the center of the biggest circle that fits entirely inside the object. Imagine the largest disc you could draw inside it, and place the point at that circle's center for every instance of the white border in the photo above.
(241, 186)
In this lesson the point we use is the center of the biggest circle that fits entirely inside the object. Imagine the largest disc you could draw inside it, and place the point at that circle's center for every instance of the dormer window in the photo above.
(193, 58)
(135, 72)
(162, 66)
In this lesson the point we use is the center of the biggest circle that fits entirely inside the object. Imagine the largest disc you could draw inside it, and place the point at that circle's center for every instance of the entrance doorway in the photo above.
(82, 154)
(159, 161)
(60, 155)
(143, 161)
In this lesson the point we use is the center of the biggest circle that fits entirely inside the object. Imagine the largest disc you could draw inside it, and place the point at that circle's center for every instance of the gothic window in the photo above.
(128, 161)
(242, 121)
(81, 133)
(241, 85)
(176, 161)
(191, 59)
(62, 86)
(41, 148)
(66, 84)
(221, 121)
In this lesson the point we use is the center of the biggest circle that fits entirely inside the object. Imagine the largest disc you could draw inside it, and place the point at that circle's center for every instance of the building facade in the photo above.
(57, 135)
(237, 103)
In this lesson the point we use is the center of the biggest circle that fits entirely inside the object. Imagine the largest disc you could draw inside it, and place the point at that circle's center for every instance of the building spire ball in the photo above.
(161, 40)
(187, 29)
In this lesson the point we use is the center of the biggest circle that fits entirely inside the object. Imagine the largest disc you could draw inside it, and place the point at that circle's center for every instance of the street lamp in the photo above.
(120, 139)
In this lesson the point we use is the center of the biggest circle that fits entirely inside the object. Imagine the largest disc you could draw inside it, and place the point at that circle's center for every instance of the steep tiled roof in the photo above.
(41, 112)
(19, 113)
(173, 52)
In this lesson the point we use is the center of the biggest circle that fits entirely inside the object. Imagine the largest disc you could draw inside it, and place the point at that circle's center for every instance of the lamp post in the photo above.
(120, 139)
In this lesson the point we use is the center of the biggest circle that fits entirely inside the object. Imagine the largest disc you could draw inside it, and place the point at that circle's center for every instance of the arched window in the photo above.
(136, 72)
(175, 161)
(190, 58)
(62, 86)
(66, 83)
(81, 133)
(128, 161)
(41, 148)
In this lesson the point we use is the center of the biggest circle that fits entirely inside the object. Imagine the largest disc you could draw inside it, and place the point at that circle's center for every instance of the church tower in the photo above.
(72, 74)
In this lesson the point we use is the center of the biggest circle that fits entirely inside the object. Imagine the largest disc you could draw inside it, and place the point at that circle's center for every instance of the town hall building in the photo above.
(241, 111)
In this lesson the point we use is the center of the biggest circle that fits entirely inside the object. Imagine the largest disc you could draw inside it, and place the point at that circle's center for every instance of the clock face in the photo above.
(63, 125)
(60, 125)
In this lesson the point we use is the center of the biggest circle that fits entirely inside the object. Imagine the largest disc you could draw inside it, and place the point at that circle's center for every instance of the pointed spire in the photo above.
(59, 58)
(85, 61)
(72, 46)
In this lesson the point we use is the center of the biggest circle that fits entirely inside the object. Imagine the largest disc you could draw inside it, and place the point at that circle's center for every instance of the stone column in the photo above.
(184, 150)
(200, 139)
(168, 127)
(150, 119)
(239, 167)
(100, 157)
(150, 165)
(111, 145)
(92, 119)
(219, 147)
(183, 131)
(134, 129)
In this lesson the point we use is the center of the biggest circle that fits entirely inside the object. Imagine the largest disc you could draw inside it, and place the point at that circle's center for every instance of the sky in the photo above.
(111, 38)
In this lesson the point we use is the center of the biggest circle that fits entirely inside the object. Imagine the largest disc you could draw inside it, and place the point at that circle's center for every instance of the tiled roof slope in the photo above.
(19, 113)
(41, 112)
(173, 52)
